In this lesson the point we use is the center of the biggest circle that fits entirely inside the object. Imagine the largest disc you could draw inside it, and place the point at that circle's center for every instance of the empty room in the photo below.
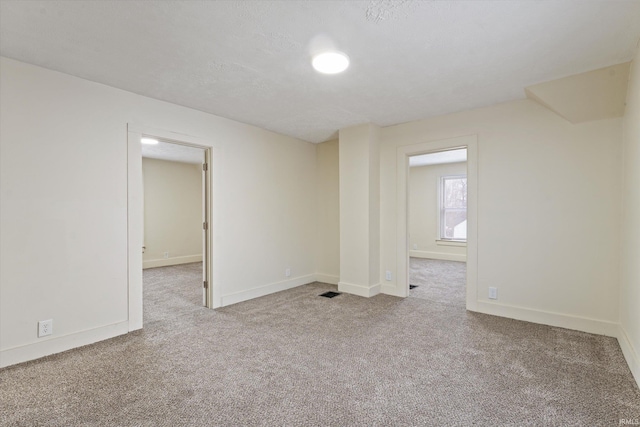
(175, 214)
(319, 213)
(438, 226)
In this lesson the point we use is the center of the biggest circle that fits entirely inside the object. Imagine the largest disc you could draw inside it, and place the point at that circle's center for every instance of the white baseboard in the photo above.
(164, 262)
(577, 323)
(391, 289)
(59, 344)
(630, 354)
(327, 278)
(438, 255)
(360, 290)
(270, 288)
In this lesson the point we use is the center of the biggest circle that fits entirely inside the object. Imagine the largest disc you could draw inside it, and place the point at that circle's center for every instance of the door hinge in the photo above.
(205, 226)
(205, 167)
(205, 284)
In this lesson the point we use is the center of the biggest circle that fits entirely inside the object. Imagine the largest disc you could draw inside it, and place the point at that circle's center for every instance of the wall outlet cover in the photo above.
(493, 293)
(45, 327)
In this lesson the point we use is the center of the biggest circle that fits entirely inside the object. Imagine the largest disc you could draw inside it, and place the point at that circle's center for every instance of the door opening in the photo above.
(437, 226)
(182, 250)
(175, 210)
(404, 245)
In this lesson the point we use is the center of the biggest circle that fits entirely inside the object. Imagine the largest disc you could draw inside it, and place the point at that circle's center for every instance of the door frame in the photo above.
(469, 142)
(135, 224)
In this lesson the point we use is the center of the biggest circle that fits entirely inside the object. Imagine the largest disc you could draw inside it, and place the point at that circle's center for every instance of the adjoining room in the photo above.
(438, 226)
(174, 236)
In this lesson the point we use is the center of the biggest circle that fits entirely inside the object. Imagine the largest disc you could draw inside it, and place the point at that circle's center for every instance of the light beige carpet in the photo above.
(297, 359)
(438, 281)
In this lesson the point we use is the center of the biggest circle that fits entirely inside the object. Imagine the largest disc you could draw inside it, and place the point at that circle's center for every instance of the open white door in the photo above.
(205, 230)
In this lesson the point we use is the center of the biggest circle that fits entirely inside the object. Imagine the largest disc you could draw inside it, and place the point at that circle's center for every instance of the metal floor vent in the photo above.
(330, 294)
(413, 286)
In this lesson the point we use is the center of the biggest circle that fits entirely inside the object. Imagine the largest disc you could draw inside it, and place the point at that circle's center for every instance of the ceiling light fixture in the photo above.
(149, 141)
(330, 62)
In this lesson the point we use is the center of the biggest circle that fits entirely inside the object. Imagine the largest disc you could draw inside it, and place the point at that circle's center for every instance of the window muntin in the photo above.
(453, 208)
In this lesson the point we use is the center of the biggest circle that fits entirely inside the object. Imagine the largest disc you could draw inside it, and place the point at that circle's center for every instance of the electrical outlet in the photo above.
(287, 272)
(415, 246)
(388, 275)
(493, 293)
(166, 255)
(45, 327)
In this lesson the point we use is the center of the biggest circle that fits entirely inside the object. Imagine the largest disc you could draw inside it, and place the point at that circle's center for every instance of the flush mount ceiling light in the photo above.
(149, 141)
(330, 62)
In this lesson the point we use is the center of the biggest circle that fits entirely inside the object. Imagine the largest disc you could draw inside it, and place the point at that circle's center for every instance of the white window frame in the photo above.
(441, 209)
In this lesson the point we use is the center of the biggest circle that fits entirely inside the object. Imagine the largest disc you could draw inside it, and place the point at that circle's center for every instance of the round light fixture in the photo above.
(149, 141)
(330, 62)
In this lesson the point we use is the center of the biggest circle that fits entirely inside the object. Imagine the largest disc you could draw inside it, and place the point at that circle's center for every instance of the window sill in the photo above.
(451, 243)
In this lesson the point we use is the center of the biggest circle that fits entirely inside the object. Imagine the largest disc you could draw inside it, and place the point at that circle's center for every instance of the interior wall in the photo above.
(63, 206)
(424, 235)
(630, 262)
(328, 212)
(172, 212)
(359, 190)
(548, 210)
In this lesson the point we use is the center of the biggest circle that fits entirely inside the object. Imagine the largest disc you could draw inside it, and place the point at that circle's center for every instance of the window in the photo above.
(453, 208)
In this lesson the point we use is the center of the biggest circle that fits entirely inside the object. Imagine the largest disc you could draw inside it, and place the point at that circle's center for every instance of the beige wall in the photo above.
(548, 210)
(172, 212)
(63, 206)
(424, 182)
(630, 280)
(328, 212)
(359, 173)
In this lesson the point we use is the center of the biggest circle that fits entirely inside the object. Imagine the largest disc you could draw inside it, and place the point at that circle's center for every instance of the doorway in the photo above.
(437, 227)
(170, 160)
(175, 212)
(403, 248)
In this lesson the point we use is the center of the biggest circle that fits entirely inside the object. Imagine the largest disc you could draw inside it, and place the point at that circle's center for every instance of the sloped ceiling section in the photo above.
(595, 95)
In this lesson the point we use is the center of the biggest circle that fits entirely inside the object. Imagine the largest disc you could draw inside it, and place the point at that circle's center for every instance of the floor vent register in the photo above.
(330, 294)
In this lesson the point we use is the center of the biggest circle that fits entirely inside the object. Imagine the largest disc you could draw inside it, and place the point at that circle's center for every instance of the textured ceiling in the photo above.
(250, 60)
(173, 152)
(439, 158)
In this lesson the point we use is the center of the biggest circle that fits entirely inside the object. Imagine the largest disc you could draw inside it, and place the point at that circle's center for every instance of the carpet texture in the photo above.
(297, 359)
(439, 281)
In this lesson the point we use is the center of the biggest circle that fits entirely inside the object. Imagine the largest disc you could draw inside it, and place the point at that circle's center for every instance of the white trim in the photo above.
(57, 344)
(134, 215)
(402, 188)
(363, 291)
(327, 278)
(390, 289)
(561, 320)
(455, 243)
(630, 355)
(271, 288)
(135, 233)
(438, 255)
(163, 262)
